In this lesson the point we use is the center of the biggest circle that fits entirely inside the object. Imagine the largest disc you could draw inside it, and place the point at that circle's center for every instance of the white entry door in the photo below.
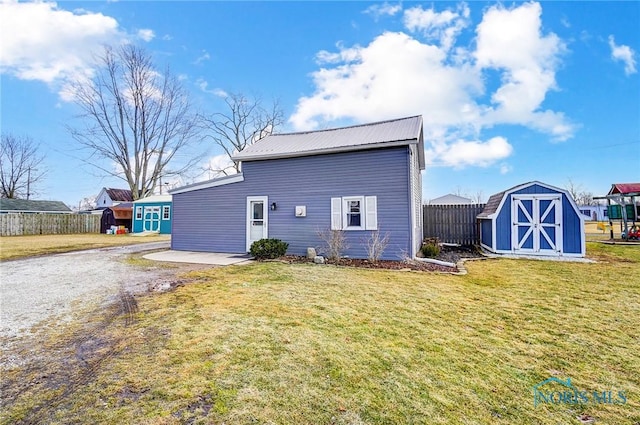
(537, 227)
(257, 219)
(151, 219)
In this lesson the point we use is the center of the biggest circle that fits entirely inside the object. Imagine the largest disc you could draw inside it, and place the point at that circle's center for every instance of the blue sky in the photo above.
(509, 92)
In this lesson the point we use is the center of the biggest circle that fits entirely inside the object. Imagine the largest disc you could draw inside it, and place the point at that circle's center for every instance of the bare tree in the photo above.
(20, 166)
(135, 117)
(581, 196)
(245, 122)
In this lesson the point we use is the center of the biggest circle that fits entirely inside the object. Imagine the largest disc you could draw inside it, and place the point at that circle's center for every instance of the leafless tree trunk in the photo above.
(582, 197)
(20, 166)
(134, 117)
(245, 122)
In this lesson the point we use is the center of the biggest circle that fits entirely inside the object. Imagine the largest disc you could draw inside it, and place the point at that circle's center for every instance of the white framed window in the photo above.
(138, 213)
(354, 213)
(166, 212)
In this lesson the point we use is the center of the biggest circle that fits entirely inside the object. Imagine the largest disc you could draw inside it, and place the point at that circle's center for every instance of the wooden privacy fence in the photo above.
(452, 223)
(48, 224)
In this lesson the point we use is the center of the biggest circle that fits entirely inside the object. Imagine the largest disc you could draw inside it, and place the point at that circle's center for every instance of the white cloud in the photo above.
(464, 153)
(505, 168)
(440, 26)
(204, 86)
(205, 56)
(42, 42)
(219, 166)
(146, 34)
(397, 74)
(625, 54)
(384, 9)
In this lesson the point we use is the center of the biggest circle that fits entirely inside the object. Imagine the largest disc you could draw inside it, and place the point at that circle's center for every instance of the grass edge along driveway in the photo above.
(17, 247)
(305, 344)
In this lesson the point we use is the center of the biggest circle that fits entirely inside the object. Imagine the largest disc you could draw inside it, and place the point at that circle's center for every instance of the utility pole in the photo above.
(28, 182)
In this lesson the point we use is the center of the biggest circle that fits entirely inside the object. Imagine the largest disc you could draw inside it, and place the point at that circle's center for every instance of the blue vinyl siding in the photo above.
(571, 230)
(485, 231)
(214, 219)
(165, 225)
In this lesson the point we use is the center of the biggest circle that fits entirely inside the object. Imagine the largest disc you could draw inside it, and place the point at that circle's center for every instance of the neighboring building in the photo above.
(359, 179)
(533, 219)
(10, 206)
(109, 197)
(152, 214)
(594, 212)
(450, 199)
(117, 215)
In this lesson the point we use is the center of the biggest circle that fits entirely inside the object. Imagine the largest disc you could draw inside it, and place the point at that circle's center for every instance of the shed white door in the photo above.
(257, 219)
(151, 219)
(537, 224)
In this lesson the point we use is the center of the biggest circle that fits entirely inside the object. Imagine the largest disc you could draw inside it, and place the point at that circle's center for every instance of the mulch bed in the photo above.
(448, 254)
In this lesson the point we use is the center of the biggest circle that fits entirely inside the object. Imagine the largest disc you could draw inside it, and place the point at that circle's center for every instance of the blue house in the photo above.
(152, 214)
(358, 179)
(533, 219)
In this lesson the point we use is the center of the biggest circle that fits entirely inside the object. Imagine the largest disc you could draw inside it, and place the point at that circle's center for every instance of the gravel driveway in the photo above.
(36, 289)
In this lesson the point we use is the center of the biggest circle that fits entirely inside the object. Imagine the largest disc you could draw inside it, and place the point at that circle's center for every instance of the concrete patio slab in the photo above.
(212, 258)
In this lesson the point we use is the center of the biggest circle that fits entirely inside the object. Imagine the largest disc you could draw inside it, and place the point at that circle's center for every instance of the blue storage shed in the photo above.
(152, 214)
(532, 219)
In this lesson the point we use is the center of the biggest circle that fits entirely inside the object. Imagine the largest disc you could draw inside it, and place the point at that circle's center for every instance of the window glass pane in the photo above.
(258, 213)
(354, 206)
(353, 220)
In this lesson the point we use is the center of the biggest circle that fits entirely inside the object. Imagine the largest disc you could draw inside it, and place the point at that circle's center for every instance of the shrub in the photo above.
(375, 245)
(335, 242)
(430, 247)
(268, 249)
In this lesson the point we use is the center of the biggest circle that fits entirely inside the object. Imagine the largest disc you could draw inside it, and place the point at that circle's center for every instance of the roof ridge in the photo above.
(344, 128)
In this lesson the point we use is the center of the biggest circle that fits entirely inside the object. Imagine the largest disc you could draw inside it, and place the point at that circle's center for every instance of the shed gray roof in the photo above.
(398, 132)
(24, 205)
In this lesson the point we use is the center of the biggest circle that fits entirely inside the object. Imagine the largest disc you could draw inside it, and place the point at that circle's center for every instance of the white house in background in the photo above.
(450, 199)
(109, 197)
(594, 212)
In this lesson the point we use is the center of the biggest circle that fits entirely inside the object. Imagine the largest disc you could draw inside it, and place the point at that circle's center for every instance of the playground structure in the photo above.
(622, 205)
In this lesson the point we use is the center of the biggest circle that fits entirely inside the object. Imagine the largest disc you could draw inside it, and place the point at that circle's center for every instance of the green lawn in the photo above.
(273, 343)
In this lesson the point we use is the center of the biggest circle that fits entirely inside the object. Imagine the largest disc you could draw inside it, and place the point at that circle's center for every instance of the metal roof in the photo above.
(122, 195)
(450, 199)
(624, 188)
(24, 205)
(398, 132)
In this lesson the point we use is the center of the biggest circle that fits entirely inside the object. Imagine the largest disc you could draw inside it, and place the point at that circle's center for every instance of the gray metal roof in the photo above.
(24, 205)
(450, 199)
(398, 132)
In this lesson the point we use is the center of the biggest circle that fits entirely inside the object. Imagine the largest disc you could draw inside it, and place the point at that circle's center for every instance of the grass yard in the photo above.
(273, 343)
(14, 247)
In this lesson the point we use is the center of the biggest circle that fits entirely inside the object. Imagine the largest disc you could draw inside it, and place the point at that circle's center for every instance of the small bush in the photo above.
(430, 247)
(268, 249)
(375, 245)
(335, 243)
